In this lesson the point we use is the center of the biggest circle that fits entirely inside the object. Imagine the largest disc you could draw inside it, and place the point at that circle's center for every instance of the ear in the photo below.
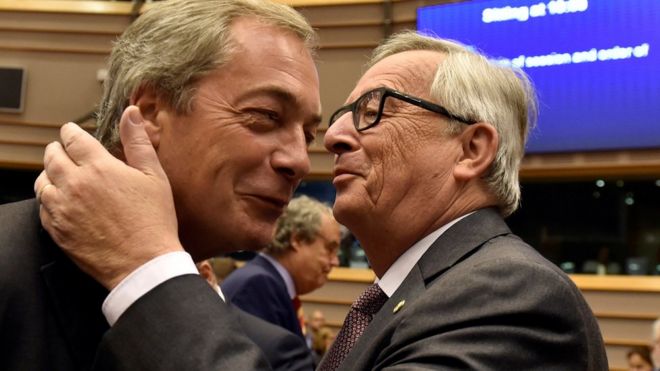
(151, 106)
(479, 143)
(206, 271)
(295, 241)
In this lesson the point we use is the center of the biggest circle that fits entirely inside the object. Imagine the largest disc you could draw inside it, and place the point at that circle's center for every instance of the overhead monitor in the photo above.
(594, 63)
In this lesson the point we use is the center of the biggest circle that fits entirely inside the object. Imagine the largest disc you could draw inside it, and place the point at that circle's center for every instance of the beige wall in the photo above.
(64, 43)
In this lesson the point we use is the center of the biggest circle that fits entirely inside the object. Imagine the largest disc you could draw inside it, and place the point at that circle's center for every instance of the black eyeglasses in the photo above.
(367, 110)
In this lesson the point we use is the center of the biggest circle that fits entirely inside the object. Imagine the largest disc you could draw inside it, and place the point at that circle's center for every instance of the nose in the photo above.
(334, 260)
(341, 135)
(292, 160)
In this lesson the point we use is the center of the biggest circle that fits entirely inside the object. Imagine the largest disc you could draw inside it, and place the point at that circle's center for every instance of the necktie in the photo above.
(361, 313)
(297, 307)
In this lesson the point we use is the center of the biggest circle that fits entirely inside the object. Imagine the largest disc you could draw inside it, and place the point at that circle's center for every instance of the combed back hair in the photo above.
(471, 86)
(302, 218)
(176, 43)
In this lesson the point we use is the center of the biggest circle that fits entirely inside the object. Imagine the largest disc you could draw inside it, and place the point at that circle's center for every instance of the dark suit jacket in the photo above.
(51, 319)
(482, 299)
(258, 288)
(50, 312)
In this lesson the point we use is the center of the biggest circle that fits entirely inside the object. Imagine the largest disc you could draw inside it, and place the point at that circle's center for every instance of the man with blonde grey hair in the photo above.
(297, 261)
(227, 95)
(427, 152)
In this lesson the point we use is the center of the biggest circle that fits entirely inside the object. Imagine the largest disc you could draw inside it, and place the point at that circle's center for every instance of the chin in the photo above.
(344, 208)
(255, 238)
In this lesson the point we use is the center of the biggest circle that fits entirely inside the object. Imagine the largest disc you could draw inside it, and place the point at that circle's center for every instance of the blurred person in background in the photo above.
(322, 342)
(314, 323)
(639, 359)
(297, 261)
(283, 349)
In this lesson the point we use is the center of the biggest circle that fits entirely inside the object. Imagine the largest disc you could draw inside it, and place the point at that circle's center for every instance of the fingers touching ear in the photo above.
(151, 106)
(479, 142)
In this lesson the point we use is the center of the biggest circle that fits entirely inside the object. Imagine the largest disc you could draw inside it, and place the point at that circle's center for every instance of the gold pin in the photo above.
(399, 306)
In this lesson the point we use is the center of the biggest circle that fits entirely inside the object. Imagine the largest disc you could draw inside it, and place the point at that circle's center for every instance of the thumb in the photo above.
(138, 150)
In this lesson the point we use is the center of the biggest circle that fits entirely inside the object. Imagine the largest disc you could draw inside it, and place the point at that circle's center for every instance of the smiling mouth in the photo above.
(277, 203)
(342, 175)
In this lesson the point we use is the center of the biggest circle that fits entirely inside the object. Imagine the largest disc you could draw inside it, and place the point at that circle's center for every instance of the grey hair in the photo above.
(302, 218)
(176, 43)
(471, 86)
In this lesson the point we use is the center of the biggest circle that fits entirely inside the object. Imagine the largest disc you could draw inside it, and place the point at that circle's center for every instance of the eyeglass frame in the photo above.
(387, 92)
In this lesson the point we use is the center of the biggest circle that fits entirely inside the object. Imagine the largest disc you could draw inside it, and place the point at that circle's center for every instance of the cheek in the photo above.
(391, 169)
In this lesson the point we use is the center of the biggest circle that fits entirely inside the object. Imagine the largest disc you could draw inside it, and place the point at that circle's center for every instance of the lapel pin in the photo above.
(399, 306)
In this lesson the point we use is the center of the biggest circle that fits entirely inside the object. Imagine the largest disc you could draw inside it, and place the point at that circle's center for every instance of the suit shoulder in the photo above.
(248, 281)
(20, 231)
(17, 219)
(522, 261)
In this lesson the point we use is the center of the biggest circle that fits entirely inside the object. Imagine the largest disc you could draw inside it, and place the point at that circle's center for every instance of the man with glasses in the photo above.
(427, 154)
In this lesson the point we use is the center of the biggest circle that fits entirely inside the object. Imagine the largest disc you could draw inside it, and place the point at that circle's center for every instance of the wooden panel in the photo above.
(65, 6)
(350, 36)
(321, 164)
(617, 283)
(349, 14)
(65, 22)
(364, 276)
(623, 302)
(616, 357)
(339, 71)
(59, 88)
(590, 165)
(56, 41)
(626, 328)
(28, 134)
(332, 313)
(340, 292)
(21, 156)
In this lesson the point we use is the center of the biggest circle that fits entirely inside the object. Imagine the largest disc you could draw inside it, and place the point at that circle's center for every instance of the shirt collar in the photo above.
(219, 291)
(286, 276)
(398, 271)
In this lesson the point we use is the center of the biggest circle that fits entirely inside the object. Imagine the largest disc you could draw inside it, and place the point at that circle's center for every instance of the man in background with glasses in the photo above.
(427, 153)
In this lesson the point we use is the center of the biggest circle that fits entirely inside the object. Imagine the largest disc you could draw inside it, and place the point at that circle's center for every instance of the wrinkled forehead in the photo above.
(410, 72)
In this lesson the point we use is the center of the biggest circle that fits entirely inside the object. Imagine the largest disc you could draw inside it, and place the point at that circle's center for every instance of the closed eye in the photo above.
(310, 137)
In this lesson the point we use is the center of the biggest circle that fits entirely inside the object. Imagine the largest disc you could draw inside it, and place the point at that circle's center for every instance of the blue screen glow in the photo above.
(595, 64)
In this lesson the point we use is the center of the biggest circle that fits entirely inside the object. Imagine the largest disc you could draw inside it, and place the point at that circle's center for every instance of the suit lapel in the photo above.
(453, 246)
(377, 335)
(461, 241)
(76, 301)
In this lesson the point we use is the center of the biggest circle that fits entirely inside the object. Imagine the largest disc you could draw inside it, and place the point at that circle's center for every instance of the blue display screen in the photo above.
(595, 64)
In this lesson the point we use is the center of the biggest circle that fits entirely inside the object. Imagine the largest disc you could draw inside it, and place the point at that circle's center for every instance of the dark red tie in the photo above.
(361, 313)
(296, 304)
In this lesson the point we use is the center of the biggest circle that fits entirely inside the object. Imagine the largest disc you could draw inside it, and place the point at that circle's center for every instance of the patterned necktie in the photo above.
(361, 313)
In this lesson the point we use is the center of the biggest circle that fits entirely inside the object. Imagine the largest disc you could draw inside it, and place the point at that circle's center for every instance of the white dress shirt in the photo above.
(144, 279)
(165, 267)
(397, 272)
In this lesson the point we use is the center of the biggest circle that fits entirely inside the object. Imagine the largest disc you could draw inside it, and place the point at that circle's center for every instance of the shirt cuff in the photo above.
(144, 279)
